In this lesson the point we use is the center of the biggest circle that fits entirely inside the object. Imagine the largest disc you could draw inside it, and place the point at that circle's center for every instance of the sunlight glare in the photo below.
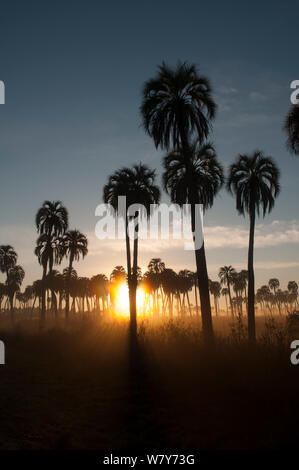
(122, 304)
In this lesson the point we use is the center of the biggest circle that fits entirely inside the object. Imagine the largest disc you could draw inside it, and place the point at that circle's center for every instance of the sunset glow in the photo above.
(121, 306)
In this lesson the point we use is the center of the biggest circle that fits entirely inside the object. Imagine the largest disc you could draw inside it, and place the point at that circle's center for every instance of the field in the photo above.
(84, 386)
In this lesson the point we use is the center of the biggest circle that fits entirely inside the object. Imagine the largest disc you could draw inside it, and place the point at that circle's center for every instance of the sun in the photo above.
(122, 304)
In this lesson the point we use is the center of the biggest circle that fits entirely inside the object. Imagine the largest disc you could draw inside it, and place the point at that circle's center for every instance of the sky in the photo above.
(73, 74)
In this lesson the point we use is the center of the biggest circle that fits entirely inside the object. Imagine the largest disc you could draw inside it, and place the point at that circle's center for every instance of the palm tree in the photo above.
(254, 180)
(51, 220)
(226, 274)
(98, 288)
(49, 252)
(53, 282)
(291, 126)
(195, 179)
(169, 282)
(215, 289)
(195, 285)
(118, 274)
(137, 184)
(239, 282)
(3, 292)
(8, 258)
(293, 290)
(14, 281)
(177, 106)
(225, 293)
(74, 245)
(156, 267)
(274, 284)
(185, 282)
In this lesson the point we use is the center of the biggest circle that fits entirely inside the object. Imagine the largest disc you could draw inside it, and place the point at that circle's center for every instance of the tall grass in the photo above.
(80, 386)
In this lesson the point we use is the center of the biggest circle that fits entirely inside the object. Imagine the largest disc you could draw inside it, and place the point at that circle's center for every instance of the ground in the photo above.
(83, 386)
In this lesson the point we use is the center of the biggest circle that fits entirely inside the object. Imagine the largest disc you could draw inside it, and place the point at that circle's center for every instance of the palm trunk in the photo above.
(67, 299)
(251, 313)
(203, 283)
(215, 304)
(196, 301)
(133, 284)
(43, 310)
(230, 297)
(12, 313)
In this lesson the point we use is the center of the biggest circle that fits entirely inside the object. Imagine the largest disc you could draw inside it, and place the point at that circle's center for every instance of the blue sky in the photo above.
(74, 72)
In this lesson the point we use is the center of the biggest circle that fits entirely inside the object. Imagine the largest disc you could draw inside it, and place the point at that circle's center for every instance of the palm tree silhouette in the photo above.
(49, 252)
(177, 106)
(195, 178)
(118, 274)
(137, 184)
(99, 289)
(169, 283)
(14, 281)
(254, 180)
(226, 274)
(156, 267)
(51, 220)
(215, 289)
(74, 245)
(274, 284)
(291, 126)
(8, 258)
(224, 292)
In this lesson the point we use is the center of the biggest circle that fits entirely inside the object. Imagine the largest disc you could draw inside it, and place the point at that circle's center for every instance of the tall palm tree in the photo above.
(185, 281)
(118, 274)
(70, 277)
(291, 126)
(137, 184)
(254, 180)
(99, 289)
(195, 285)
(51, 220)
(74, 245)
(156, 267)
(215, 289)
(224, 292)
(239, 281)
(169, 281)
(177, 106)
(226, 274)
(195, 180)
(8, 258)
(274, 284)
(14, 281)
(48, 251)
(3, 292)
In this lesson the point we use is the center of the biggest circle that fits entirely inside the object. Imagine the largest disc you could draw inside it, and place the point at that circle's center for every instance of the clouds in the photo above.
(266, 235)
(224, 244)
(272, 234)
